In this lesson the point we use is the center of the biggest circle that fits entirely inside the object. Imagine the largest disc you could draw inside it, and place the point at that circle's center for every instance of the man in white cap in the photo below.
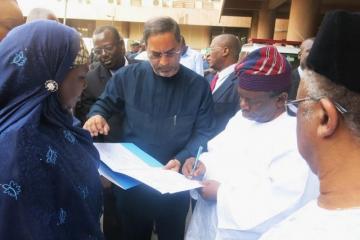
(255, 176)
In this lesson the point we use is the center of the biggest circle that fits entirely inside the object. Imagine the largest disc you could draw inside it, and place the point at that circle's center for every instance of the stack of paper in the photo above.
(129, 160)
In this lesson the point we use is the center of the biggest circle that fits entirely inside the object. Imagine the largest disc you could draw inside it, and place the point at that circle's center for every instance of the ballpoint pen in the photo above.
(196, 161)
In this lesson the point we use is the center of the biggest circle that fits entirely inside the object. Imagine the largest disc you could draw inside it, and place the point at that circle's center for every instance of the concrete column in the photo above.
(266, 23)
(303, 20)
(136, 30)
(254, 25)
(123, 28)
(281, 28)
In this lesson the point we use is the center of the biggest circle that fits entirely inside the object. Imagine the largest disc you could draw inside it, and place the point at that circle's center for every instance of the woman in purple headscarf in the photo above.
(49, 185)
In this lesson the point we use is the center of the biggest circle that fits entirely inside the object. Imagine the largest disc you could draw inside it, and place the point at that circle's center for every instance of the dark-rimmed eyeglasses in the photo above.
(293, 105)
(158, 55)
(105, 49)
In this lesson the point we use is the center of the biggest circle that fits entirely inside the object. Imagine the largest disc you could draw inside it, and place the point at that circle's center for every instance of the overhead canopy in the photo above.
(282, 7)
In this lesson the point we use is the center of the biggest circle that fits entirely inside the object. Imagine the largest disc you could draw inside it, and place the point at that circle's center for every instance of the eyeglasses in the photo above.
(105, 49)
(293, 105)
(158, 55)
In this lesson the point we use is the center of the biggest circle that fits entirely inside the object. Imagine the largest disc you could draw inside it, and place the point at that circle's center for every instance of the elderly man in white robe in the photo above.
(254, 175)
(328, 129)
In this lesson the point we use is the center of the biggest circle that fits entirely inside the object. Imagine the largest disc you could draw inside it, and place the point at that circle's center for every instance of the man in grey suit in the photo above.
(224, 54)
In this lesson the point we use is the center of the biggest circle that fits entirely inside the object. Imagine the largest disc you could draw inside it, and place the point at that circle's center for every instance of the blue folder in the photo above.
(122, 180)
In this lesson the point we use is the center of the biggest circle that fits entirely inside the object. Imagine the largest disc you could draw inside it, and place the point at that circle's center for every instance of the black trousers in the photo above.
(111, 222)
(141, 209)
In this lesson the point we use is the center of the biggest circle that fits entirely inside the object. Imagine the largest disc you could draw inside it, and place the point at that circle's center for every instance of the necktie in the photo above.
(213, 82)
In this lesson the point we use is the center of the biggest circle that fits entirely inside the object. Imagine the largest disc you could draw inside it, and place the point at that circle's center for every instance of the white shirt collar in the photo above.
(223, 74)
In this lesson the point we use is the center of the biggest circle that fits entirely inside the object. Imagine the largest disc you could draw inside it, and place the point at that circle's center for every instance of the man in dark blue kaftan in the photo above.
(168, 112)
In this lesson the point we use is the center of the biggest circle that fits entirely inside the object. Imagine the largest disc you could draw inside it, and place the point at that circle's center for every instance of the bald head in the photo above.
(10, 16)
(41, 13)
(225, 50)
(231, 42)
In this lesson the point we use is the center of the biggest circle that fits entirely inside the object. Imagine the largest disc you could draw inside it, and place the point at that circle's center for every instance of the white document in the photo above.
(165, 181)
(117, 157)
(122, 160)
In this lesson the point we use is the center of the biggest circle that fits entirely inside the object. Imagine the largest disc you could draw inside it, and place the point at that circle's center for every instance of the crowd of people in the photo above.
(281, 146)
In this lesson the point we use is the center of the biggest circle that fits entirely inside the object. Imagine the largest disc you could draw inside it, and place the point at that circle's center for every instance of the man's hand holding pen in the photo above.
(210, 187)
(193, 168)
(187, 169)
(191, 165)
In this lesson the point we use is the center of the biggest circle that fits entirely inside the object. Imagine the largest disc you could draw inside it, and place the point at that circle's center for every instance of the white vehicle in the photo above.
(291, 52)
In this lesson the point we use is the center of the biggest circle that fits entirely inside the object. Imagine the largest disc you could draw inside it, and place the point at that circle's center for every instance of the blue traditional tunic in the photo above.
(49, 185)
(168, 118)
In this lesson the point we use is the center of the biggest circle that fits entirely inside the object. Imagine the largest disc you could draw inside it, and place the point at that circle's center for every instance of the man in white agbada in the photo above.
(254, 176)
(328, 130)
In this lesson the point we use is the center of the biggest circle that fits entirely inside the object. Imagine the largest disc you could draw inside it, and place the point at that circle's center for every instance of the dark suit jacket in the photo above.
(295, 79)
(97, 78)
(226, 102)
